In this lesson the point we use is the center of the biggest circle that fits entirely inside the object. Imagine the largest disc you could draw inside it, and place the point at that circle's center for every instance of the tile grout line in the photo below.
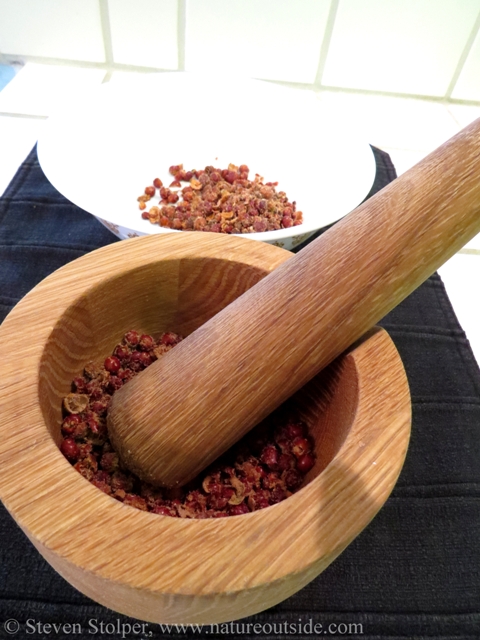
(373, 92)
(469, 252)
(83, 64)
(28, 116)
(106, 37)
(325, 46)
(181, 33)
(117, 66)
(463, 57)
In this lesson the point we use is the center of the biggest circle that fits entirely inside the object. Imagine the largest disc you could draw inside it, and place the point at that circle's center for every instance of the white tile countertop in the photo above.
(407, 128)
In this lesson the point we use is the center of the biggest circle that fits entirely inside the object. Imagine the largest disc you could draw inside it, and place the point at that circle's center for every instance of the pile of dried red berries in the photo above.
(264, 468)
(219, 200)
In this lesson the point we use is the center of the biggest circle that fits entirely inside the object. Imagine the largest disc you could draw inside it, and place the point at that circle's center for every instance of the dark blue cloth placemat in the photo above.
(413, 573)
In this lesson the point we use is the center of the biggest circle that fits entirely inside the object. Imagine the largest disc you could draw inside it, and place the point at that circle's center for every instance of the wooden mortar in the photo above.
(173, 570)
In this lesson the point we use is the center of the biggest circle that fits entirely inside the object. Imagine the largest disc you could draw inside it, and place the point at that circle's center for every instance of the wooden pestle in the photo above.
(181, 413)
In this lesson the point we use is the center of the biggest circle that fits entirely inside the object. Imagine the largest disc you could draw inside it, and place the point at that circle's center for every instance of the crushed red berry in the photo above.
(264, 468)
(219, 201)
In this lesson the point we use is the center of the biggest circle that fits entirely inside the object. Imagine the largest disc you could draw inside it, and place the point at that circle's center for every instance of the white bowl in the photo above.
(102, 150)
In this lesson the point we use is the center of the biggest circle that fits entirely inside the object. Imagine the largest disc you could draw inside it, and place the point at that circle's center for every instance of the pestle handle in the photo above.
(182, 412)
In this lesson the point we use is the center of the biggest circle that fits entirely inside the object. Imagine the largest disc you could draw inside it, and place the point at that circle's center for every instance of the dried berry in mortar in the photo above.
(219, 200)
(264, 468)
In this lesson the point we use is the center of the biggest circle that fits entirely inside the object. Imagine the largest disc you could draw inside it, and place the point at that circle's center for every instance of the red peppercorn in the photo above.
(139, 360)
(169, 338)
(70, 424)
(218, 500)
(258, 500)
(162, 510)
(113, 384)
(103, 486)
(271, 480)
(125, 375)
(300, 446)
(79, 385)
(93, 423)
(305, 462)
(132, 338)
(84, 448)
(69, 449)
(112, 364)
(94, 390)
(150, 191)
(146, 343)
(294, 430)
(231, 176)
(164, 221)
(260, 226)
(121, 481)
(97, 407)
(292, 478)
(109, 462)
(145, 358)
(81, 430)
(157, 183)
(269, 456)
(102, 476)
(278, 494)
(239, 509)
(84, 470)
(135, 501)
(286, 461)
(122, 352)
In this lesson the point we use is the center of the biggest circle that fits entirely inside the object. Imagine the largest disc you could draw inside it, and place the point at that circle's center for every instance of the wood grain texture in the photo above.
(165, 569)
(270, 342)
